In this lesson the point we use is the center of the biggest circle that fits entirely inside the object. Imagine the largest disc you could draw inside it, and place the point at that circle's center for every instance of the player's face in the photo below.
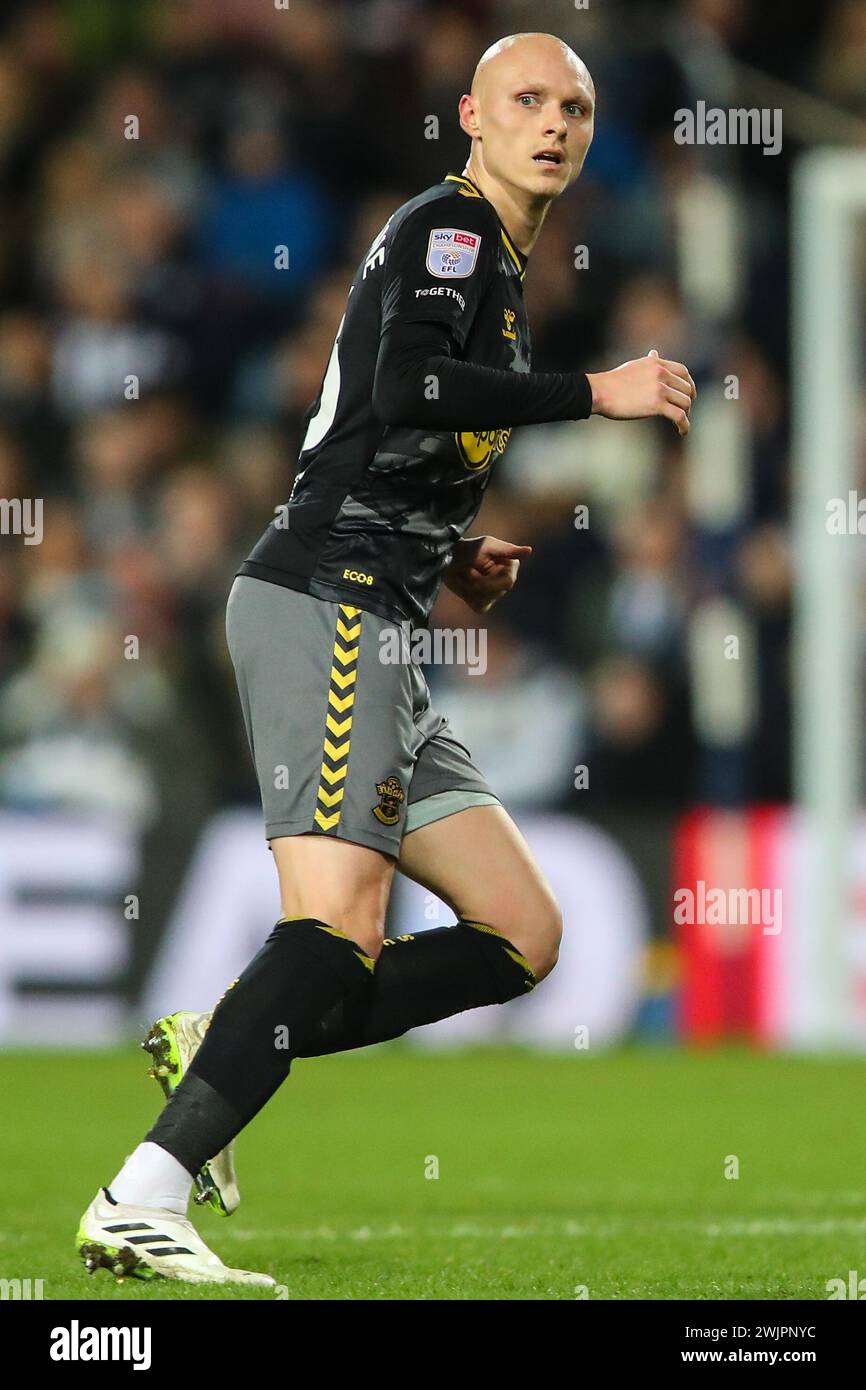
(537, 124)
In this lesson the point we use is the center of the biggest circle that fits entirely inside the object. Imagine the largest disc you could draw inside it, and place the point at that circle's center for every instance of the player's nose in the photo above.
(556, 124)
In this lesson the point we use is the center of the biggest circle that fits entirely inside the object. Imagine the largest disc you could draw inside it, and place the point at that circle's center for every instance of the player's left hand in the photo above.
(483, 569)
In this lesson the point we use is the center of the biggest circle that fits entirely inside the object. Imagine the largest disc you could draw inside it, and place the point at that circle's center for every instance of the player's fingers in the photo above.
(678, 415)
(505, 550)
(504, 575)
(678, 383)
(681, 370)
(678, 397)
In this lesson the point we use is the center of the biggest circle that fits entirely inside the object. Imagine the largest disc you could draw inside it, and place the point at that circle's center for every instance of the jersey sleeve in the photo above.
(438, 265)
(470, 397)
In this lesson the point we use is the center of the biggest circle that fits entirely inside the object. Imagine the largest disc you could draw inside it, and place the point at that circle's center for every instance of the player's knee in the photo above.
(367, 933)
(368, 938)
(537, 933)
(545, 947)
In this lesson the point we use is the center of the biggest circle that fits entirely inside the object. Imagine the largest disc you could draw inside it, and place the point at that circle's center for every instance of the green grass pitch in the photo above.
(554, 1173)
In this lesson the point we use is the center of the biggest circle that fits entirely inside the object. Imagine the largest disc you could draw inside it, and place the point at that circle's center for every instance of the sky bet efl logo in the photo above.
(451, 254)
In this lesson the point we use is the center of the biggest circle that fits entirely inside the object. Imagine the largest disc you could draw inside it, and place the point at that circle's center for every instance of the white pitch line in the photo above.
(781, 1226)
(757, 1226)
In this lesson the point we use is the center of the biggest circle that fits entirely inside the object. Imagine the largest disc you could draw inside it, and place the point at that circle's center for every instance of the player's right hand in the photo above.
(647, 386)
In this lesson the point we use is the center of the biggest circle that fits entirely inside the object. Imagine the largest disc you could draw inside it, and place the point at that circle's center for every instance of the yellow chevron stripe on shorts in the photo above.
(338, 722)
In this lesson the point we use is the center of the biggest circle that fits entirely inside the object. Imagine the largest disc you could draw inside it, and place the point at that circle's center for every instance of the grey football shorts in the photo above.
(344, 743)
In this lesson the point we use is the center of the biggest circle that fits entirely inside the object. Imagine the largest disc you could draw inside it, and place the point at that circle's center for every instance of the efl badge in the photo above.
(451, 254)
(390, 796)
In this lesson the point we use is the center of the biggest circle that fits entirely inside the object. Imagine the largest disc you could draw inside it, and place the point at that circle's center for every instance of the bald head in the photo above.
(530, 115)
(517, 51)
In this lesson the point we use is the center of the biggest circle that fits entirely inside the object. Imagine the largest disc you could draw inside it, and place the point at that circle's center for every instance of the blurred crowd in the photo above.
(155, 366)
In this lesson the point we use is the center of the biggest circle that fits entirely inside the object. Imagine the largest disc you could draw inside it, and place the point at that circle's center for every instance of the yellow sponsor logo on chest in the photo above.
(477, 448)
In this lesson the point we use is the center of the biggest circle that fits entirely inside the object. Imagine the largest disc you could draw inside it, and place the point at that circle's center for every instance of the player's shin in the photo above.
(271, 1014)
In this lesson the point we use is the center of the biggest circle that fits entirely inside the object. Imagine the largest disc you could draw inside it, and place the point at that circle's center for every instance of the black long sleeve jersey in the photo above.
(429, 372)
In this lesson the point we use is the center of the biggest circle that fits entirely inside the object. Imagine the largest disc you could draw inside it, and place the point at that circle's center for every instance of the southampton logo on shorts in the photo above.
(390, 796)
(451, 254)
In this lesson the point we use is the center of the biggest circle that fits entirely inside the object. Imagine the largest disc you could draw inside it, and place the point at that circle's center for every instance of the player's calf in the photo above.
(172, 1043)
(267, 1017)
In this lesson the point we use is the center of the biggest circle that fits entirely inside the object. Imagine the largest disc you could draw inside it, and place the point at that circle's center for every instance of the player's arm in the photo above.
(421, 380)
(420, 384)
(439, 264)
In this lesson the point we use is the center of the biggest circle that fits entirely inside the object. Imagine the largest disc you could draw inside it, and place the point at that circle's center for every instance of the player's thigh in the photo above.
(333, 739)
(480, 865)
(343, 884)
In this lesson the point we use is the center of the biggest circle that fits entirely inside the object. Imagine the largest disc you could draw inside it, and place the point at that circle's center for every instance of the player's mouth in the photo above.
(549, 159)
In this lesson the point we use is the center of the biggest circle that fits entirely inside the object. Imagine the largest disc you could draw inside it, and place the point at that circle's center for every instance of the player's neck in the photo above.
(521, 214)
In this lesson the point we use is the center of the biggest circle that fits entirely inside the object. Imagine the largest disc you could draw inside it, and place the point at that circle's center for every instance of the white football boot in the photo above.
(172, 1043)
(151, 1243)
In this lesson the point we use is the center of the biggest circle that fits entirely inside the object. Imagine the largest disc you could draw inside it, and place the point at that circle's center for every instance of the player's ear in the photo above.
(467, 113)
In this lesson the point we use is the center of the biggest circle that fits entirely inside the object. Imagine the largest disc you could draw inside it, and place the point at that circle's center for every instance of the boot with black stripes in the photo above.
(151, 1243)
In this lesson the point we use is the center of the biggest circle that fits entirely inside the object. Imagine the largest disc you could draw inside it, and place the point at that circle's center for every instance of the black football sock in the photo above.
(420, 979)
(270, 1015)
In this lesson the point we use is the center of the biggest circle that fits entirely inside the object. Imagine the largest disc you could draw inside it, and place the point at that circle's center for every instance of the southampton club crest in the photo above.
(391, 795)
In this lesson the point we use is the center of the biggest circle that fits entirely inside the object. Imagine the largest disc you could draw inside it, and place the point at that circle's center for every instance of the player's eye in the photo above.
(526, 97)
(574, 108)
